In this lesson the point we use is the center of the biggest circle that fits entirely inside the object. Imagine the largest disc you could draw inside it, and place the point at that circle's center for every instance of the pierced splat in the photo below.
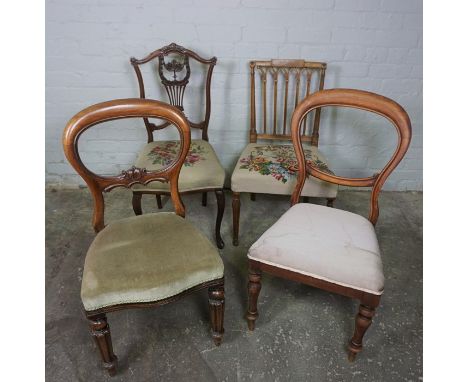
(175, 87)
(174, 72)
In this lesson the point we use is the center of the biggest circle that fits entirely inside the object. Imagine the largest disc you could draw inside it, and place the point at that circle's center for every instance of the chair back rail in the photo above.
(175, 87)
(286, 74)
(357, 99)
(119, 109)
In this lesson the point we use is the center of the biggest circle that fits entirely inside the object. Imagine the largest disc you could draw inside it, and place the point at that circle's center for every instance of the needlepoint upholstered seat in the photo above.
(147, 260)
(268, 163)
(271, 169)
(202, 171)
(323, 247)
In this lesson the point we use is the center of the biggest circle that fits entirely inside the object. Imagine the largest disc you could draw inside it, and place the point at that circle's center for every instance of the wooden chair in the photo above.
(270, 167)
(202, 170)
(141, 261)
(330, 249)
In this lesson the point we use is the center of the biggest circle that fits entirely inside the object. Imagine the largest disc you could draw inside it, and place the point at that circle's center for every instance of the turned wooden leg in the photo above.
(253, 289)
(330, 202)
(101, 332)
(216, 302)
(136, 203)
(159, 201)
(219, 218)
(235, 217)
(363, 321)
(204, 198)
(252, 197)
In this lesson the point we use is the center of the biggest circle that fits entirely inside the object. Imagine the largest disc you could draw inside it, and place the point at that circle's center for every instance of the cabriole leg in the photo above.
(219, 217)
(159, 201)
(136, 203)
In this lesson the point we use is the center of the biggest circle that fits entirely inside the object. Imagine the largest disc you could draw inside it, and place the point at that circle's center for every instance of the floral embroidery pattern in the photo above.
(279, 161)
(164, 154)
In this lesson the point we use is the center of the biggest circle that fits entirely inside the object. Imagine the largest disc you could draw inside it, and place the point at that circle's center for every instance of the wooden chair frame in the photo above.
(135, 108)
(291, 70)
(175, 89)
(359, 100)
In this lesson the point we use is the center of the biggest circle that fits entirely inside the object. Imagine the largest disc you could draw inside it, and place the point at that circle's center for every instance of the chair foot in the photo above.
(219, 217)
(216, 302)
(235, 217)
(363, 321)
(136, 203)
(101, 333)
(253, 288)
(330, 202)
(204, 199)
(159, 201)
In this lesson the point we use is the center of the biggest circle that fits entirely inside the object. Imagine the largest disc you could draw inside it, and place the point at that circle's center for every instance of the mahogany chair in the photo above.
(202, 170)
(141, 261)
(327, 248)
(270, 168)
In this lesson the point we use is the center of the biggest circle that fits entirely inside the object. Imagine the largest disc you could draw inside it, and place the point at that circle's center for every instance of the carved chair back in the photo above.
(357, 99)
(119, 109)
(296, 79)
(174, 74)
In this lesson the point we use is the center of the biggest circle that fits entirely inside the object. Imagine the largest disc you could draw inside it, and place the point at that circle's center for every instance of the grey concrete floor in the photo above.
(301, 333)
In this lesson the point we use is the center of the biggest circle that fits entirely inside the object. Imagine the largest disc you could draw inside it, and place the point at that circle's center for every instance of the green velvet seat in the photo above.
(147, 258)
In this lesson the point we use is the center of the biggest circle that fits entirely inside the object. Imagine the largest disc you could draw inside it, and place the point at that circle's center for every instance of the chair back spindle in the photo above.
(289, 77)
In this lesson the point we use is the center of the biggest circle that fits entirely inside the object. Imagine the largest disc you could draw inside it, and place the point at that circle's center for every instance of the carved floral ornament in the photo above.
(134, 173)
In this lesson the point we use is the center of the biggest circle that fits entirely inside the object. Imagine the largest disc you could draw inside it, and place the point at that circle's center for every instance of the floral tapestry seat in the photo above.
(201, 170)
(271, 169)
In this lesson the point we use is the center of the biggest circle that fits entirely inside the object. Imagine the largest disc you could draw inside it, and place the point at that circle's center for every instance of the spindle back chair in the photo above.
(298, 79)
(276, 88)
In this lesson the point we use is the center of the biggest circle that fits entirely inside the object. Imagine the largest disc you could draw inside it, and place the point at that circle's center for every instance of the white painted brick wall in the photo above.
(374, 45)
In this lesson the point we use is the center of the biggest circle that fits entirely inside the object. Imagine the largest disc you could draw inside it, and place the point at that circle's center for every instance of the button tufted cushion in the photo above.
(325, 243)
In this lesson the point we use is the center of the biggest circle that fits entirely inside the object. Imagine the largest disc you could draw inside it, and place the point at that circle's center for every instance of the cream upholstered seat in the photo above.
(271, 169)
(201, 170)
(329, 244)
(141, 259)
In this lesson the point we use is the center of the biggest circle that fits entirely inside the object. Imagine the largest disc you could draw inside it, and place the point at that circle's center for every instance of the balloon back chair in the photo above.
(328, 248)
(270, 167)
(141, 261)
(202, 170)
